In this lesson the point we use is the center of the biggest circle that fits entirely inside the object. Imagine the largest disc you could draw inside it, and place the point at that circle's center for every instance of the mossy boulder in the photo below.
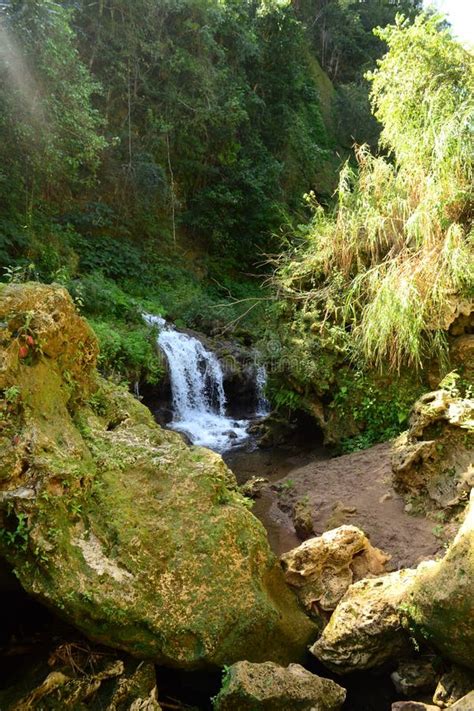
(441, 602)
(140, 541)
(269, 687)
(434, 460)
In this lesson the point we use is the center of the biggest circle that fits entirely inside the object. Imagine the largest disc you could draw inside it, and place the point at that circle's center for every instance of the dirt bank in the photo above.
(355, 488)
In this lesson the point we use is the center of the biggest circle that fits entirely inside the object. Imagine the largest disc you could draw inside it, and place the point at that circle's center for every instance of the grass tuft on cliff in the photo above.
(385, 270)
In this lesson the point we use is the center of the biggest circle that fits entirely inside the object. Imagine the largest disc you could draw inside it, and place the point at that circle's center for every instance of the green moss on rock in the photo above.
(141, 542)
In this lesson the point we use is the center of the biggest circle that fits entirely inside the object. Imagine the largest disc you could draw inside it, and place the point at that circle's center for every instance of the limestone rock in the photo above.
(140, 541)
(268, 687)
(441, 602)
(464, 704)
(433, 459)
(322, 568)
(365, 629)
(452, 686)
(414, 677)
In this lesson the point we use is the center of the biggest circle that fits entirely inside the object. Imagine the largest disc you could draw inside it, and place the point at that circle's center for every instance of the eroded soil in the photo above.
(351, 489)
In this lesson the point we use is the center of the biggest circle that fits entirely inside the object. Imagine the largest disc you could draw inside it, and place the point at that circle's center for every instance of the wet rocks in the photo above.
(433, 460)
(144, 544)
(365, 630)
(254, 487)
(268, 687)
(322, 569)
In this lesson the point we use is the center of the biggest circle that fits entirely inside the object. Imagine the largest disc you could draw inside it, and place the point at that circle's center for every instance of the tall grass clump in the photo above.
(391, 262)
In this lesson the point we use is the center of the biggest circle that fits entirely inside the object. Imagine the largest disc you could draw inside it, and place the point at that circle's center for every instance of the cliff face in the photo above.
(140, 541)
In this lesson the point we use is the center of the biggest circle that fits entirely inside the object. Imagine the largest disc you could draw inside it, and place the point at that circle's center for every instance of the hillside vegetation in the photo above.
(155, 154)
(378, 280)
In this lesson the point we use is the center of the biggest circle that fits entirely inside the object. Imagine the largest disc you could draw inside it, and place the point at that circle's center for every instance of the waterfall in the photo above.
(263, 406)
(197, 387)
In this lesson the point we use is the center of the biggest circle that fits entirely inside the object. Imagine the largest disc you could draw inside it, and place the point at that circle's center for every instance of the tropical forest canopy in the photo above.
(196, 158)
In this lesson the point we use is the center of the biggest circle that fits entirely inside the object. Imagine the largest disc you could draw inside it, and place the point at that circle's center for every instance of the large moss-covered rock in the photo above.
(268, 687)
(434, 459)
(441, 602)
(143, 543)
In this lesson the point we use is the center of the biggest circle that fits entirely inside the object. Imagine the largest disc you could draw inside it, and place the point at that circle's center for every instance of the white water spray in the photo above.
(263, 406)
(197, 386)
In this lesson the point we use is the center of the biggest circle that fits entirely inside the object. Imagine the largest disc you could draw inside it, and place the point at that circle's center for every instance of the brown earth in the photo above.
(352, 489)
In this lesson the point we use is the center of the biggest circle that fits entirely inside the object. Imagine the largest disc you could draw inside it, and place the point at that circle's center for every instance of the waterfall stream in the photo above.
(197, 387)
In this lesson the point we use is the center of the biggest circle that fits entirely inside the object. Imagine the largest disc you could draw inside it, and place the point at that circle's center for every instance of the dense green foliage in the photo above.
(342, 36)
(148, 152)
(375, 282)
(154, 153)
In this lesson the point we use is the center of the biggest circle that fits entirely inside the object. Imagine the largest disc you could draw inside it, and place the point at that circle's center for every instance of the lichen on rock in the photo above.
(269, 687)
(140, 541)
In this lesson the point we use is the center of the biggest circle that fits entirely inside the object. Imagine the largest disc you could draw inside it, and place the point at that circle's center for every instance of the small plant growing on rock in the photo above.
(29, 346)
(18, 537)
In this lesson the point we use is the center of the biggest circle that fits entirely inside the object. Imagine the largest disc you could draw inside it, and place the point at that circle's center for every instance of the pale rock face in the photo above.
(268, 687)
(366, 630)
(433, 460)
(322, 568)
(464, 704)
(141, 542)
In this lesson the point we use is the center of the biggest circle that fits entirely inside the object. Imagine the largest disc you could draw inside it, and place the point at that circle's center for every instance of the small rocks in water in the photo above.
(322, 568)
(303, 519)
(254, 486)
(365, 629)
(414, 677)
(452, 686)
(230, 434)
(269, 687)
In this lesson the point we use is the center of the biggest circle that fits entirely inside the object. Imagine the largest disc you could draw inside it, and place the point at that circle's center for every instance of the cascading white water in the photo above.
(197, 387)
(263, 406)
